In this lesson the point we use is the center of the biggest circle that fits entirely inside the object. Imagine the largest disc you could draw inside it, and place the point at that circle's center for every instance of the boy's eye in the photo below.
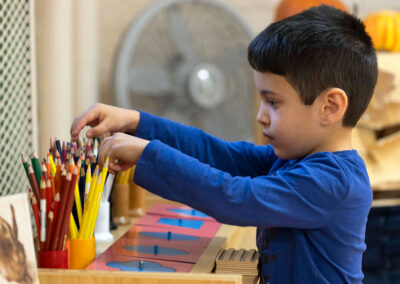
(272, 102)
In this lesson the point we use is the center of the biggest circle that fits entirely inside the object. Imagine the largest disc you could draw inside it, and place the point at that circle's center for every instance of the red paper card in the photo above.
(197, 228)
(154, 250)
(132, 263)
(164, 235)
(178, 212)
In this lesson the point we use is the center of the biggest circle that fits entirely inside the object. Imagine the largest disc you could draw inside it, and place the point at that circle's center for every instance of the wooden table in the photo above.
(226, 237)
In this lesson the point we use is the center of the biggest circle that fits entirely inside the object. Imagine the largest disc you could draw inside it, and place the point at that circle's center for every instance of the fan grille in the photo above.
(214, 33)
(16, 133)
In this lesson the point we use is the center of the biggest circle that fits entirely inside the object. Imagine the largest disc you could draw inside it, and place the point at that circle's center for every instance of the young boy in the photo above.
(307, 192)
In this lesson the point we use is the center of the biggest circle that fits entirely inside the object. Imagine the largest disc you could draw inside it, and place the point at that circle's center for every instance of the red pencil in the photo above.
(68, 208)
(44, 171)
(53, 187)
(57, 179)
(60, 214)
(55, 211)
(63, 176)
(48, 233)
(35, 210)
(32, 179)
(48, 196)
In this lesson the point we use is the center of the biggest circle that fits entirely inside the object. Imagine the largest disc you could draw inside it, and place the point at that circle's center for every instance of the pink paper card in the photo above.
(164, 235)
(197, 228)
(154, 250)
(178, 212)
(132, 263)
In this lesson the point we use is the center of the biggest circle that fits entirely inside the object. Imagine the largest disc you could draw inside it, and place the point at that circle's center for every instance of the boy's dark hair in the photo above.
(320, 48)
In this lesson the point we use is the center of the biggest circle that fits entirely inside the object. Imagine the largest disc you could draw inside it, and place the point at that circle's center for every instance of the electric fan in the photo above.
(187, 61)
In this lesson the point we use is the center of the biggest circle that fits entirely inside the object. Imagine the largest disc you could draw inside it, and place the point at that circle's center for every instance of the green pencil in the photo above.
(36, 167)
(25, 163)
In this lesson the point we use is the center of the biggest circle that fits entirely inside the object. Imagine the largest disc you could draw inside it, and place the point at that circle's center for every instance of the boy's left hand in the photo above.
(123, 151)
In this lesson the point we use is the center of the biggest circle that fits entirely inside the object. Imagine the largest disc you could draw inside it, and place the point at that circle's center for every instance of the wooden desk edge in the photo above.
(48, 276)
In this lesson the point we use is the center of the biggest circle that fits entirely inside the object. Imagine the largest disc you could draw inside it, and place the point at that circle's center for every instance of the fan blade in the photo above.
(180, 34)
(149, 79)
(232, 59)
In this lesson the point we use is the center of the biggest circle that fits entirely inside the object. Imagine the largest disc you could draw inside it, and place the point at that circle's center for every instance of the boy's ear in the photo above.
(334, 105)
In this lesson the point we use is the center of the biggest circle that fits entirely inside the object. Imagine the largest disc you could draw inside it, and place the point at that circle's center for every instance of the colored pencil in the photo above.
(49, 230)
(36, 167)
(61, 209)
(43, 213)
(69, 196)
(34, 185)
(35, 210)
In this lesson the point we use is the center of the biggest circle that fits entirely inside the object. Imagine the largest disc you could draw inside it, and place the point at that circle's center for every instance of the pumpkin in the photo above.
(384, 29)
(287, 8)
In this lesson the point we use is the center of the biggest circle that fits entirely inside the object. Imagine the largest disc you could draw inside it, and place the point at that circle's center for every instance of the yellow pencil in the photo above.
(98, 195)
(87, 229)
(87, 182)
(88, 203)
(73, 229)
(53, 168)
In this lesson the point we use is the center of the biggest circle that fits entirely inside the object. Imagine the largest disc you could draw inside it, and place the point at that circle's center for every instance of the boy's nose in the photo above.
(262, 116)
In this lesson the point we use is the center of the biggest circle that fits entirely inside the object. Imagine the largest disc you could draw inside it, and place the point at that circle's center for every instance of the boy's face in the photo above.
(292, 128)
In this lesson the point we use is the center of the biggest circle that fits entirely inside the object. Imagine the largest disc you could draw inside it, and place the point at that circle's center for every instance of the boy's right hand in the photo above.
(105, 118)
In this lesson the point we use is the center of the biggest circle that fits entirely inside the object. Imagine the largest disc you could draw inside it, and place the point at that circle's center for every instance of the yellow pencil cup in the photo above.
(82, 252)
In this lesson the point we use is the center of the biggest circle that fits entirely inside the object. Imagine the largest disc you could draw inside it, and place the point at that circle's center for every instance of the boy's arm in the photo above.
(299, 198)
(238, 158)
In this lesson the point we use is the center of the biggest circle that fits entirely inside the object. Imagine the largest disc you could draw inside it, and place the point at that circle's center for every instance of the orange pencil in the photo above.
(68, 207)
(48, 164)
(70, 164)
(53, 187)
(58, 162)
(60, 213)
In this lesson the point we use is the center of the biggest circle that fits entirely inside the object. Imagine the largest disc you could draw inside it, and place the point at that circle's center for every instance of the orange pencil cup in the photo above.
(82, 252)
(53, 259)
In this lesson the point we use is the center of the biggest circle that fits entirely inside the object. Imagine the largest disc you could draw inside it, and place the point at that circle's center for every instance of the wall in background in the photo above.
(77, 43)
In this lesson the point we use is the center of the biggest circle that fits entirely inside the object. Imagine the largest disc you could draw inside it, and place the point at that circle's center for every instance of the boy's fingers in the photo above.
(81, 121)
(119, 167)
(96, 131)
(104, 151)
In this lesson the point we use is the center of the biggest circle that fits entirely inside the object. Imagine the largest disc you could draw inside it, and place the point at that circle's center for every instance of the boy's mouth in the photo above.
(267, 136)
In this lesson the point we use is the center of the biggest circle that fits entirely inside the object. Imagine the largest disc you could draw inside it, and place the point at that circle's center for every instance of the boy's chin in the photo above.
(285, 155)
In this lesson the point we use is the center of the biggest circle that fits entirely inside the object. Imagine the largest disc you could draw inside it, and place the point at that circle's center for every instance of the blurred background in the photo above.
(183, 60)
(186, 60)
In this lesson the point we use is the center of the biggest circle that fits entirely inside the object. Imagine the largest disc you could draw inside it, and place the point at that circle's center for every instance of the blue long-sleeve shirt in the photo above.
(310, 213)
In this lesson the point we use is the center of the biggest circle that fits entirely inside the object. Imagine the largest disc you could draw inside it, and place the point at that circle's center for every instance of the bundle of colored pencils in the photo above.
(65, 192)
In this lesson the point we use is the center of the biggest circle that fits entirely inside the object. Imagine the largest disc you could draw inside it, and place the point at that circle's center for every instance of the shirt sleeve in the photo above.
(296, 198)
(237, 158)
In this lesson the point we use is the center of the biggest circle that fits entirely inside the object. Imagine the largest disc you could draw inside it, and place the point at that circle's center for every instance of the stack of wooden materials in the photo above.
(244, 262)
(377, 135)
